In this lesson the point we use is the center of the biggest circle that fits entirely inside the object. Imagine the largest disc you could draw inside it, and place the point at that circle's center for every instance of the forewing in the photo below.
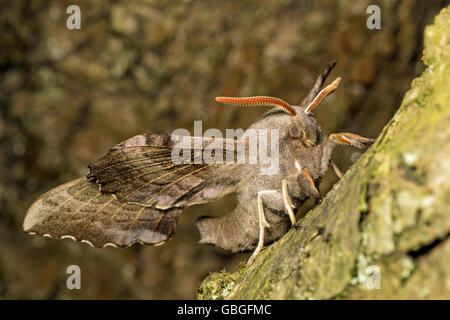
(79, 211)
(143, 170)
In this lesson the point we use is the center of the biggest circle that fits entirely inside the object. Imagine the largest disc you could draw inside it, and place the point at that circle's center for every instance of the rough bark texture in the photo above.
(391, 209)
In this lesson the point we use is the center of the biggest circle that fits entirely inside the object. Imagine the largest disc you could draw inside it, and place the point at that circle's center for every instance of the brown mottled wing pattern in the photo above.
(134, 194)
(79, 211)
(141, 170)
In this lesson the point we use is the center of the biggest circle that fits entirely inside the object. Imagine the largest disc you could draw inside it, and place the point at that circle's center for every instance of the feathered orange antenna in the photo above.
(322, 95)
(261, 101)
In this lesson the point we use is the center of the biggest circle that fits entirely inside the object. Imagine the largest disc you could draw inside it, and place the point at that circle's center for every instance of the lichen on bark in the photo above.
(390, 210)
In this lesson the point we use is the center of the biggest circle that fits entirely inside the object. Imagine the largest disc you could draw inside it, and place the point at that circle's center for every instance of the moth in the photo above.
(136, 192)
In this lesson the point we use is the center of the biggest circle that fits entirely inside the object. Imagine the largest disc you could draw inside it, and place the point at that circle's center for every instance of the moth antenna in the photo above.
(322, 95)
(261, 101)
(318, 85)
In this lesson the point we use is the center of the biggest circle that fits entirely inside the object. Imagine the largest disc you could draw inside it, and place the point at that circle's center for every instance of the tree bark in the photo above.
(390, 211)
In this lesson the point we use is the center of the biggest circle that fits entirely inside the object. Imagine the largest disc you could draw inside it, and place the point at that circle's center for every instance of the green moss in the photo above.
(216, 286)
(363, 207)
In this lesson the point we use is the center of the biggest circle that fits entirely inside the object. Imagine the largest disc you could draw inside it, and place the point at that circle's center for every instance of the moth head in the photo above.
(304, 130)
(302, 125)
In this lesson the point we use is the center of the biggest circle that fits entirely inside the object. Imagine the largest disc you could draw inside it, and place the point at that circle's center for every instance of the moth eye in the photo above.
(295, 131)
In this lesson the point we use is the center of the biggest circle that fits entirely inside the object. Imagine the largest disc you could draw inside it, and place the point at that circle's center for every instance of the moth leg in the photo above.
(287, 201)
(342, 138)
(305, 172)
(350, 139)
(336, 169)
(262, 225)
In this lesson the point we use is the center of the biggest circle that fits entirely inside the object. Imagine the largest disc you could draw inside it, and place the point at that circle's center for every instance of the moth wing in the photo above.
(166, 171)
(79, 211)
